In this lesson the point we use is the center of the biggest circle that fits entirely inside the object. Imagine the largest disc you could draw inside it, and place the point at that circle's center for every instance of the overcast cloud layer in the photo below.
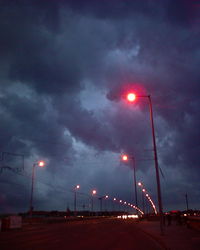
(65, 67)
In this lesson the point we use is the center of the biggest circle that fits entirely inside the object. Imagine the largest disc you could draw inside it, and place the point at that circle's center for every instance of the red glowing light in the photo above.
(131, 97)
(124, 157)
(41, 163)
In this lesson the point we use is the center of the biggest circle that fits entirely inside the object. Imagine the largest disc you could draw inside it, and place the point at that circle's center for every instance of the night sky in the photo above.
(65, 67)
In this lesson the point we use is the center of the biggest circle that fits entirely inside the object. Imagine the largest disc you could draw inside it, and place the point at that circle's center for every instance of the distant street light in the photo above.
(101, 200)
(131, 98)
(75, 189)
(148, 196)
(126, 158)
(93, 193)
(186, 199)
(40, 164)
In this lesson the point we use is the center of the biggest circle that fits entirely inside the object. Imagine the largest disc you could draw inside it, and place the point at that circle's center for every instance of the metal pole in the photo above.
(135, 183)
(186, 199)
(156, 167)
(100, 199)
(92, 204)
(75, 202)
(32, 187)
(143, 202)
(105, 205)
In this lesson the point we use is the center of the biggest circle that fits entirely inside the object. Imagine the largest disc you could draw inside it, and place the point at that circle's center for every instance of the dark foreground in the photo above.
(90, 234)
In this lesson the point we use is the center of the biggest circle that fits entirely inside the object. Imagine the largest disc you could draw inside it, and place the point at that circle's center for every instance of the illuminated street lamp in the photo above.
(126, 158)
(94, 192)
(40, 164)
(148, 196)
(75, 190)
(131, 98)
(100, 199)
(141, 185)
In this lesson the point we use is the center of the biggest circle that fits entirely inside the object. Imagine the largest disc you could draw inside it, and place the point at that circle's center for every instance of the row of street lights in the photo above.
(76, 188)
(147, 196)
(101, 198)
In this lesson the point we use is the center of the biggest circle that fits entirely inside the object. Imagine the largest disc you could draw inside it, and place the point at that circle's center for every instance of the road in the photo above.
(108, 234)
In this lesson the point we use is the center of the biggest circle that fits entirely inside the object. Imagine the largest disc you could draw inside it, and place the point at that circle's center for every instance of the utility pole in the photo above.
(186, 199)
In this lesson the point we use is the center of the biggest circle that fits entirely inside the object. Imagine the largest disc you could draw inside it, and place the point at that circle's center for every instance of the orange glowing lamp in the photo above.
(125, 157)
(41, 163)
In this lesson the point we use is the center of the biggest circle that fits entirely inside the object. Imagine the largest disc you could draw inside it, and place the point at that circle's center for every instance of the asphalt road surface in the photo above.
(109, 234)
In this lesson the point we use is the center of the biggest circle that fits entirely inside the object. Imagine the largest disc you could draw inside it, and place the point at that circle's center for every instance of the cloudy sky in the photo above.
(65, 68)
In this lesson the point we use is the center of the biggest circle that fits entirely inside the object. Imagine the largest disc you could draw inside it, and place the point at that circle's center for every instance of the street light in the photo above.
(100, 199)
(75, 189)
(93, 193)
(126, 158)
(129, 95)
(40, 164)
(148, 196)
(141, 185)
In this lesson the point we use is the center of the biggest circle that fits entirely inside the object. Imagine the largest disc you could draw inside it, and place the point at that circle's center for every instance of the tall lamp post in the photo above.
(93, 193)
(75, 190)
(101, 201)
(126, 158)
(40, 164)
(131, 97)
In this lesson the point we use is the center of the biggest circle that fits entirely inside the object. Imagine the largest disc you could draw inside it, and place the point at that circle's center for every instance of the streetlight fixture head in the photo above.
(125, 157)
(94, 192)
(131, 97)
(77, 186)
(139, 184)
(41, 163)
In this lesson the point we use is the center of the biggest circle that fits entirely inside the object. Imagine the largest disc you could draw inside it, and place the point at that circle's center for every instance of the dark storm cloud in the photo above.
(50, 50)
(29, 42)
